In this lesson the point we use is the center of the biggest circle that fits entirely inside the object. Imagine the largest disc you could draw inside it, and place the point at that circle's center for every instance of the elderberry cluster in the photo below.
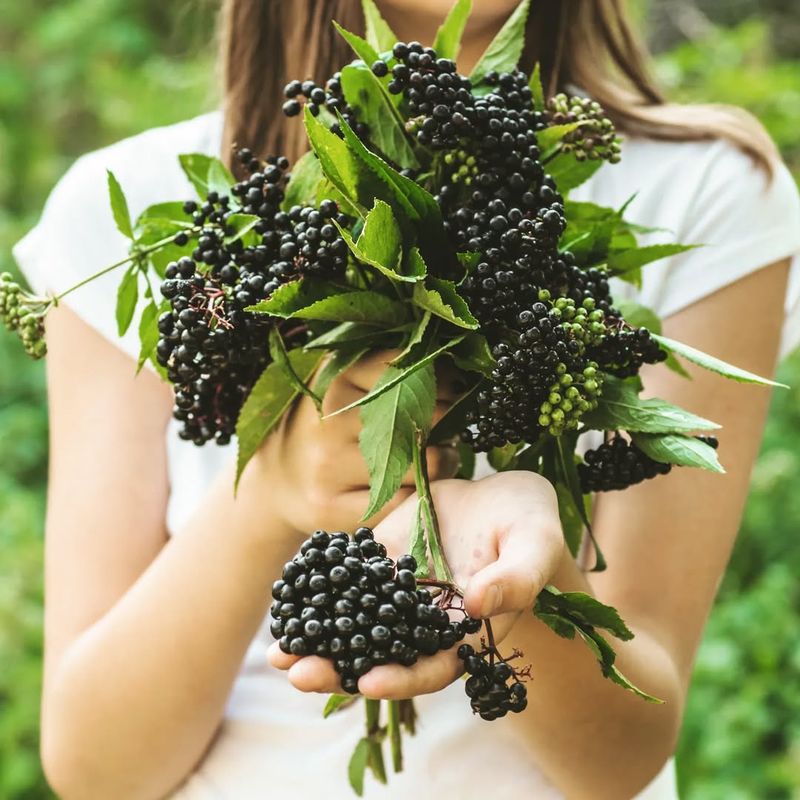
(616, 465)
(344, 599)
(212, 348)
(23, 314)
(624, 350)
(491, 694)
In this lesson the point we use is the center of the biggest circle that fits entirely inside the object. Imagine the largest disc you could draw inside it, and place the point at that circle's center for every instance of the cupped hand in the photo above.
(503, 541)
(313, 467)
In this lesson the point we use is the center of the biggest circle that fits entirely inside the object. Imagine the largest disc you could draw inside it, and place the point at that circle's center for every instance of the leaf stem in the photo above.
(431, 521)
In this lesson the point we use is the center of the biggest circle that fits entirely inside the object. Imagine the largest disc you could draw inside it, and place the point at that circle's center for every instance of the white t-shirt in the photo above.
(273, 739)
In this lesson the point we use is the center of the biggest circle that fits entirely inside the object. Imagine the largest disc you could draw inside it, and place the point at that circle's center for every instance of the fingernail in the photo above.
(492, 601)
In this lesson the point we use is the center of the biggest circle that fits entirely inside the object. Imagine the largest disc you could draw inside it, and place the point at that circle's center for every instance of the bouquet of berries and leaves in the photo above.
(431, 216)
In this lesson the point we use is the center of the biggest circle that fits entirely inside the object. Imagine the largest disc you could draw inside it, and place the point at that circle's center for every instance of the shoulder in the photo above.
(146, 164)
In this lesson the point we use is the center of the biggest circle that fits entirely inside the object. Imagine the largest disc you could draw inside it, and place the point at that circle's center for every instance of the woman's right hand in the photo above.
(315, 466)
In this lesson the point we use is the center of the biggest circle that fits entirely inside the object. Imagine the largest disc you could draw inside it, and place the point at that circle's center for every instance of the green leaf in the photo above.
(552, 136)
(337, 701)
(447, 43)
(640, 316)
(503, 458)
(148, 333)
(280, 356)
(402, 375)
(241, 225)
(621, 408)
(379, 34)
(368, 94)
(569, 173)
(170, 213)
(376, 760)
(291, 298)
(304, 180)
(361, 47)
(466, 462)
(631, 260)
(415, 338)
(418, 543)
(537, 89)
(571, 521)
(441, 298)
(714, 364)
(505, 50)
(339, 362)
(127, 297)
(203, 170)
(266, 404)
(350, 333)
(454, 420)
(473, 355)
(389, 425)
(686, 451)
(357, 767)
(119, 206)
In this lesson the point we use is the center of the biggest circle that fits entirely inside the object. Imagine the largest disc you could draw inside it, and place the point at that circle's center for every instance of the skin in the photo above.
(135, 686)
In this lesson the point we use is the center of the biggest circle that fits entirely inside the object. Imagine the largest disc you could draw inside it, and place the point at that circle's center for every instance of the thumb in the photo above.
(528, 555)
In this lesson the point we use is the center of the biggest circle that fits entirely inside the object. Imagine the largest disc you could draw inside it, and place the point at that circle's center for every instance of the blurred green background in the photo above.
(78, 74)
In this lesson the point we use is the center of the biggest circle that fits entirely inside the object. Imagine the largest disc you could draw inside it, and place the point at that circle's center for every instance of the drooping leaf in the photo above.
(389, 425)
(148, 333)
(119, 206)
(671, 448)
(569, 173)
(357, 767)
(301, 190)
(280, 356)
(441, 298)
(379, 34)
(447, 43)
(714, 364)
(585, 609)
(402, 375)
(127, 297)
(337, 701)
(621, 408)
(266, 404)
(504, 52)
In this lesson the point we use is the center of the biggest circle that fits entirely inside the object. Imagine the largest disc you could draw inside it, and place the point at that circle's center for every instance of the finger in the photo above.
(278, 659)
(314, 674)
(529, 552)
(430, 674)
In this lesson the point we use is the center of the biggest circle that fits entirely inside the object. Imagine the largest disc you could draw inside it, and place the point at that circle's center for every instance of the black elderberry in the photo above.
(616, 465)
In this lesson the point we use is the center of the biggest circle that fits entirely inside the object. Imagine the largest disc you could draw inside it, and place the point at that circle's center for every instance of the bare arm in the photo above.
(145, 634)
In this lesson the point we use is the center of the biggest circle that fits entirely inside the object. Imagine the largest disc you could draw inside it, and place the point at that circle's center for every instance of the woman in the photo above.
(157, 680)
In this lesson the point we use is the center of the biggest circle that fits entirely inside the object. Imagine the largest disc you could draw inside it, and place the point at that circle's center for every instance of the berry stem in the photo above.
(395, 734)
(431, 521)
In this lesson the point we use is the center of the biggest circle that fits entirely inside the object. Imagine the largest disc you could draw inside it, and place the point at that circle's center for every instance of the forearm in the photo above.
(135, 700)
(591, 721)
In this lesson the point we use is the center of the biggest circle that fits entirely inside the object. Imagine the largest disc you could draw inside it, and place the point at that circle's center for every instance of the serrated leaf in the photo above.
(447, 43)
(119, 206)
(504, 52)
(379, 34)
(366, 307)
(714, 364)
(403, 374)
(621, 408)
(361, 47)
(536, 87)
(569, 173)
(350, 333)
(127, 297)
(414, 340)
(339, 362)
(368, 94)
(357, 767)
(148, 333)
(280, 356)
(389, 425)
(442, 299)
(291, 298)
(337, 701)
(630, 260)
(301, 190)
(685, 451)
(584, 608)
(267, 402)
(198, 166)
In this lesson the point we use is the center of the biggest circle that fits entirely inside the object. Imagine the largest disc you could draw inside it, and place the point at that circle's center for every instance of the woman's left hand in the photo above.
(503, 541)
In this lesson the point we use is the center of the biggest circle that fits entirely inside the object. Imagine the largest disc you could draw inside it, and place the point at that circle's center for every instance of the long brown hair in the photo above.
(589, 44)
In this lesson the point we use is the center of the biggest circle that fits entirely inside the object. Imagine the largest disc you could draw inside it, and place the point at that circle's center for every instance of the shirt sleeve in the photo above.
(745, 220)
(75, 238)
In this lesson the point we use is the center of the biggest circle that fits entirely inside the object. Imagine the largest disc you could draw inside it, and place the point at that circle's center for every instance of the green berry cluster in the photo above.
(23, 314)
(595, 139)
(463, 167)
(571, 396)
